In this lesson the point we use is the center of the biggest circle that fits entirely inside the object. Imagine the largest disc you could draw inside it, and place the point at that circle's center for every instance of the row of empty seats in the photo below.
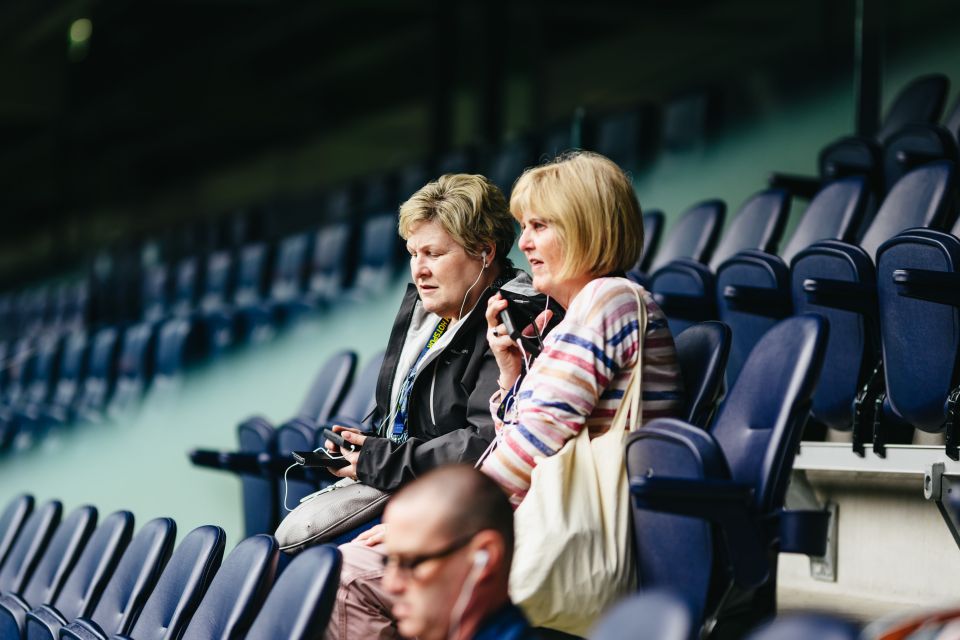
(74, 578)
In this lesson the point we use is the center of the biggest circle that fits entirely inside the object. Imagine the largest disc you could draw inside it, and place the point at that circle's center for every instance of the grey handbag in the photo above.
(329, 513)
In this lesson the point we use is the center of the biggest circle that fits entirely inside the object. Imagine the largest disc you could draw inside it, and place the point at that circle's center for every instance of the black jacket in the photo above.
(457, 427)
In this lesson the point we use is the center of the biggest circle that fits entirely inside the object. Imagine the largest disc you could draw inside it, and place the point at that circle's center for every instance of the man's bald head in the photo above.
(461, 500)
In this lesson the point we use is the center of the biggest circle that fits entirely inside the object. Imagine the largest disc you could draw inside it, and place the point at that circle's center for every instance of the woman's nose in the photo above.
(525, 242)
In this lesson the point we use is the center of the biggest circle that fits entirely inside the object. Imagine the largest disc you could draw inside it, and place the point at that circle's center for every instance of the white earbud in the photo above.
(483, 256)
(480, 558)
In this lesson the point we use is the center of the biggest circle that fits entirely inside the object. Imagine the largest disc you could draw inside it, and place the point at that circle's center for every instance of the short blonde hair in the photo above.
(470, 208)
(591, 203)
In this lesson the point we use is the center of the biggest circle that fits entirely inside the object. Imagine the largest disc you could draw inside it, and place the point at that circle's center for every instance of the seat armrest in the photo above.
(82, 629)
(44, 623)
(759, 301)
(942, 287)
(687, 307)
(803, 531)
(805, 187)
(910, 159)
(233, 462)
(841, 294)
(722, 502)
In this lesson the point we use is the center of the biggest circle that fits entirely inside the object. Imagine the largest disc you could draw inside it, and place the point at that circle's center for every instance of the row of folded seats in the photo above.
(881, 275)
(57, 379)
(73, 578)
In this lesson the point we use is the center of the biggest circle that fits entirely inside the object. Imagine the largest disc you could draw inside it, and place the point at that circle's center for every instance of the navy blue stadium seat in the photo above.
(212, 312)
(915, 145)
(806, 626)
(918, 273)
(257, 438)
(126, 592)
(921, 101)
(557, 139)
(15, 513)
(509, 160)
(36, 418)
(411, 178)
(753, 287)
(651, 615)
(51, 573)
(18, 370)
(154, 293)
(35, 388)
(135, 367)
(692, 237)
(838, 280)
(252, 319)
(707, 504)
(237, 591)
(653, 223)
(98, 385)
(628, 136)
(300, 434)
(299, 605)
(463, 160)
(179, 590)
(685, 288)
(289, 278)
(380, 254)
(28, 549)
(178, 346)
(331, 265)
(86, 582)
(185, 286)
(702, 351)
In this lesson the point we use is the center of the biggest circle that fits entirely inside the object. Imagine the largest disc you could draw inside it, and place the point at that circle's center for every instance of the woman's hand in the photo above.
(372, 536)
(354, 437)
(508, 356)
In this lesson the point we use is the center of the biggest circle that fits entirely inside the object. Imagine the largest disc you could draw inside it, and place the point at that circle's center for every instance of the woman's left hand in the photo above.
(372, 536)
(357, 440)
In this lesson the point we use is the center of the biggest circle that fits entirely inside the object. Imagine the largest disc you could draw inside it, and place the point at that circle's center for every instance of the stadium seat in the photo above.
(18, 370)
(178, 592)
(380, 252)
(557, 139)
(693, 237)
(838, 281)
(651, 615)
(299, 605)
(154, 298)
(653, 223)
(86, 581)
(257, 437)
(34, 420)
(135, 368)
(125, 594)
(918, 295)
(178, 346)
(921, 101)
(685, 288)
(289, 278)
(753, 287)
(98, 385)
(251, 319)
(410, 178)
(463, 160)
(51, 573)
(628, 136)
(331, 266)
(184, 295)
(14, 515)
(35, 386)
(212, 312)
(28, 549)
(806, 626)
(507, 162)
(685, 481)
(304, 434)
(237, 591)
(702, 350)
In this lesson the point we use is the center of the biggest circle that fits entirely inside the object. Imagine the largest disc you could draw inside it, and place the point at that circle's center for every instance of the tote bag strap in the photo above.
(631, 407)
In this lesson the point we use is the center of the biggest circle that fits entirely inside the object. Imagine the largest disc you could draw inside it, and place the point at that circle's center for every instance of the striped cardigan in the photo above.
(580, 377)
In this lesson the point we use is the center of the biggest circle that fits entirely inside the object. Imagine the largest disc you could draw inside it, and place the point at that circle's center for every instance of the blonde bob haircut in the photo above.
(470, 208)
(591, 203)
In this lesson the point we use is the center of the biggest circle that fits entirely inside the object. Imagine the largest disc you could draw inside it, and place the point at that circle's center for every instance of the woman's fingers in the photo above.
(495, 305)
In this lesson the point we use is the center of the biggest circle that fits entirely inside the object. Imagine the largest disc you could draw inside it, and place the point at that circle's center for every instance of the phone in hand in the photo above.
(338, 440)
(319, 459)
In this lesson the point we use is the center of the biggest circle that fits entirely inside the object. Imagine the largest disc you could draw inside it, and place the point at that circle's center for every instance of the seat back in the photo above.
(14, 515)
(251, 274)
(462, 160)
(135, 366)
(653, 223)
(379, 253)
(32, 541)
(60, 556)
(834, 213)
(758, 225)
(96, 565)
(216, 281)
(654, 614)
(181, 586)
(237, 591)
(359, 403)
(329, 387)
(330, 268)
(761, 421)
(178, 345)
(922, 198)
(410, 178)
(509, 161)
(628, 137)
(72, 369)
(184, 295)
(920, 339)
(135, 576)
(922, 100)
(952, 121)
(44, 367)
(694, 235)
(153, 293)
(290, 268)
(101, 372)
(914, 145)
(702, 350)
(18, 369)
(299, 604)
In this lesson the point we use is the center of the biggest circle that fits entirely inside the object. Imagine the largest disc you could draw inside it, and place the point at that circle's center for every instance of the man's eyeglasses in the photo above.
(404, 565)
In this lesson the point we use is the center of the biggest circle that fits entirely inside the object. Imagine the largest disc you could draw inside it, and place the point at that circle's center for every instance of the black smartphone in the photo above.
(319, 459)
(338, 440)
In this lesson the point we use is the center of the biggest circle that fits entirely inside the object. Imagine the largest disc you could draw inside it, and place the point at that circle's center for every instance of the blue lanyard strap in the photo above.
(399, 432)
